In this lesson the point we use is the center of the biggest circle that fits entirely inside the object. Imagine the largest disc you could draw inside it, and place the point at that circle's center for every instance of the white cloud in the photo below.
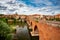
(22, 8)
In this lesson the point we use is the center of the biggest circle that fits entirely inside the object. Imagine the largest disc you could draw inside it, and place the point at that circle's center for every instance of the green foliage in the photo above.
(52, 19)
(9, 37)
(4, 19)
(5, 30)
(57, 19)
(36, 19)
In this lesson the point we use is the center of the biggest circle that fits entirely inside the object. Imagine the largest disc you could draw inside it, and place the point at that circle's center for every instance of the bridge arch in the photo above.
(36, 29)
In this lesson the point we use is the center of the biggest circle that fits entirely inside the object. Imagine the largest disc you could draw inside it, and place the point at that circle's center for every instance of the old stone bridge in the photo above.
(46, 32)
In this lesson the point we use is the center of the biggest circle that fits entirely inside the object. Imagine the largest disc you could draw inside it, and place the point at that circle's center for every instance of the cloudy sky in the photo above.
(46, 7)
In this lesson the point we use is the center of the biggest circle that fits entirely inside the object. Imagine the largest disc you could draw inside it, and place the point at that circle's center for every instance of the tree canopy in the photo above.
(5, 31)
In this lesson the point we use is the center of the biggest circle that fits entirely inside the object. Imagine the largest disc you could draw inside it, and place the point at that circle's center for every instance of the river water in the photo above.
(22, 33)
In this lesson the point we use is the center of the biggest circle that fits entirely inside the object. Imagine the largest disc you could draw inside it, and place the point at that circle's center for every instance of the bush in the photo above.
(57, 19)
(4, 31)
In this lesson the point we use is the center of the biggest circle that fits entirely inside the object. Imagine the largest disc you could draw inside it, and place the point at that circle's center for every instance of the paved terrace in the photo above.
(45, 31)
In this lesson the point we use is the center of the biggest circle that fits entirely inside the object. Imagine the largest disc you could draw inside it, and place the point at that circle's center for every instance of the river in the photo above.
(23, 33)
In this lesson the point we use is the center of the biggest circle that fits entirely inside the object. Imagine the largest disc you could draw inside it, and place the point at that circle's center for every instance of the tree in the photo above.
(5, 31)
